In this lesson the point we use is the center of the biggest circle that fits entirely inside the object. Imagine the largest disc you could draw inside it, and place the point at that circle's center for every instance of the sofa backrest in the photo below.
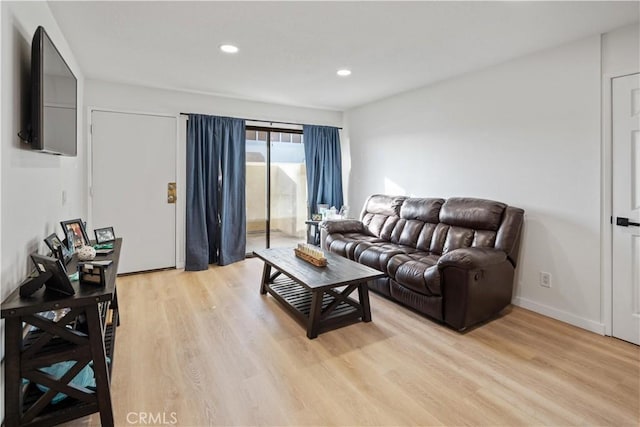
(439, 226)
(417, 223)
(467, 222)
(380, 214)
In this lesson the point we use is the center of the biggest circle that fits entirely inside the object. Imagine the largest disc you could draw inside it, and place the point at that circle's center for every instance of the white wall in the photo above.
(32, 183)
(525, 132)
(621, 51)
(136, 98)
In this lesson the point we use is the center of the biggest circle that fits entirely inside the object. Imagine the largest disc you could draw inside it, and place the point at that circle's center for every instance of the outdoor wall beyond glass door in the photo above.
(256, 191)
(279, 220)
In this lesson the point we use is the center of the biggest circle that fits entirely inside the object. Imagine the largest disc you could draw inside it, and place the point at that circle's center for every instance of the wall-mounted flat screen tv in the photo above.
(53, 99)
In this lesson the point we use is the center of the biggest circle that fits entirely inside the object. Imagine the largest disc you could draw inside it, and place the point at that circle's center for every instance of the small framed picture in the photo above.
(59, 281)
(105, 235)
(69, 242)
(59, 249)
(74, 229)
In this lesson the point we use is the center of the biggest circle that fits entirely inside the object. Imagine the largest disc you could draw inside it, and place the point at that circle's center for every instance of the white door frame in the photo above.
(606, 200)
(181, 153)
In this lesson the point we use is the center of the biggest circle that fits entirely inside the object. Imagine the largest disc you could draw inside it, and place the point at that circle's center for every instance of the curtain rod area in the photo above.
(265, 121)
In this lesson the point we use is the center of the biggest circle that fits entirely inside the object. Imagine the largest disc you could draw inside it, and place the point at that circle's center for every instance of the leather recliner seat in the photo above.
(453, 260)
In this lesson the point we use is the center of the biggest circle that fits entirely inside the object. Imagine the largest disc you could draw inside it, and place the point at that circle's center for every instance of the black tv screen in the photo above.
(53, 100)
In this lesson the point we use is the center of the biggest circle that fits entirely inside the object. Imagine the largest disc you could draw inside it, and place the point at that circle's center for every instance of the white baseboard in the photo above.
(563, 316)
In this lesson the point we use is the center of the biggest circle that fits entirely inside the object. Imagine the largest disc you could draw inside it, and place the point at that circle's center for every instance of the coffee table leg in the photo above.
(363, 295)
(266, 272)
(313, 324)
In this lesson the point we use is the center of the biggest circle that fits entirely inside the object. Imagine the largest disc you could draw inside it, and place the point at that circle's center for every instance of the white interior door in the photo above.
(133, 158)
(626, 208)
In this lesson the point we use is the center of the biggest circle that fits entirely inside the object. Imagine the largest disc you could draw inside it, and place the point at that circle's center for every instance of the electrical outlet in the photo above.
(545, 279)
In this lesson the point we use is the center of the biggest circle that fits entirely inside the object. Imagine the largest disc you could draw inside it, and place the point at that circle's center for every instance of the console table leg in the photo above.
(100, 369)
(12, 381)
(363, 295)
(313, 324)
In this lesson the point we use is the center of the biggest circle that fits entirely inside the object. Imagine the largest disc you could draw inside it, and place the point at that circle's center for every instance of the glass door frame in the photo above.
(268, 130)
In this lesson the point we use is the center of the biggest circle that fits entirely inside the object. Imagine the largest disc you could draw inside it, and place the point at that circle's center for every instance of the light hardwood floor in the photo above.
(206, 348)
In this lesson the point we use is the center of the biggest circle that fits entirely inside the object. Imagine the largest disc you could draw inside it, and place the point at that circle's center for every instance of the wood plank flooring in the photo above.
(206, 348)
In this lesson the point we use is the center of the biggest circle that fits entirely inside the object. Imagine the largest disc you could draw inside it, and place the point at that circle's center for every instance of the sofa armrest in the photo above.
(342, 226)
(472, 258)
(477, 283)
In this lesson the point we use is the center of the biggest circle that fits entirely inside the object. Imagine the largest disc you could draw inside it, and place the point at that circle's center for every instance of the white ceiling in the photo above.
(290, 51)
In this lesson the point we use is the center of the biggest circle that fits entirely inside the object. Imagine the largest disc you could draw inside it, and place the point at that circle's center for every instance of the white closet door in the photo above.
(626, 208)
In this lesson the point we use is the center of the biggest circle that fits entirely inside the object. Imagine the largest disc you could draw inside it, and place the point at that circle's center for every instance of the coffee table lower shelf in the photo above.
(318, 296)
(335, 310)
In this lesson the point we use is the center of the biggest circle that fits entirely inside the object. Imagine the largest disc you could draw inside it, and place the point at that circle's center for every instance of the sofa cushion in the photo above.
(438, 238)
(425, 210)
(381, 214)
(484, 239)
(345, 244)
(418, 273)
(418, 218)
(425, 237)
(377, 254)
(477, 214)
(384, 205)
(458, 237)
(406, 232)
(379, 225)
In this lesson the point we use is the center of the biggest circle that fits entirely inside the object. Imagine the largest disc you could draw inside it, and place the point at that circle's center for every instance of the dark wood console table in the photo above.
(85, 334)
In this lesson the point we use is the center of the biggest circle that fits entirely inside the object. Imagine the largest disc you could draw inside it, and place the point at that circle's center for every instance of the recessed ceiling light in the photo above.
(344, 72)
(228, 48)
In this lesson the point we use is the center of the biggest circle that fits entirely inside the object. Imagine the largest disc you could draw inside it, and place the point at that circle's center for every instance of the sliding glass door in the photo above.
(276, 188)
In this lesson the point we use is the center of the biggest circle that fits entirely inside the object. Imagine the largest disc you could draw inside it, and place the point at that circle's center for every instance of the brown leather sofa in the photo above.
(453, 260)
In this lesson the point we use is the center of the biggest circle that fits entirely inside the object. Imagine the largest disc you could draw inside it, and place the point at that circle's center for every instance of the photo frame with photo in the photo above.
(58, 249)
(78, 233)
(69, 243)
(59, 280)
(105, 235)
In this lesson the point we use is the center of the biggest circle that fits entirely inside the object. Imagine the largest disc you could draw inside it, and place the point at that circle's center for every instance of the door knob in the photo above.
(624, 222)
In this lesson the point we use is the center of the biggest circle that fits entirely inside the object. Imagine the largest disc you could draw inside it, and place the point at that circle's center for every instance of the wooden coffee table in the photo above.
(311, 293)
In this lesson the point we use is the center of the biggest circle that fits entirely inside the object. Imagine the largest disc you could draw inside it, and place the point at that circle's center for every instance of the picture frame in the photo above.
(92, 273)
(78, 232)
(59, 280)
(58, 249)
(104, 235)
(69, 242)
